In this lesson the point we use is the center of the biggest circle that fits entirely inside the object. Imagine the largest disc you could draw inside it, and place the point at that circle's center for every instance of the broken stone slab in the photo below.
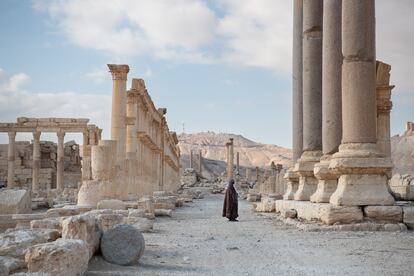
(266, 207)
(9, 265)
(163, 212)
(160, 194)
(83, 227)
(402, 186)
(166, 202)
(147, 204)
(61, 257)
(408, 216)
(113, 204)
(23, 220)
(15, 201)
(14, 242)
(340, 214)
(384, 213)
(109, 221)
(62, 212)
(48, 223)
(122, 245)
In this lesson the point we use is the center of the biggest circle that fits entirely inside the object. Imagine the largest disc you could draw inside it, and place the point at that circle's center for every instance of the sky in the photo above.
(217, 65)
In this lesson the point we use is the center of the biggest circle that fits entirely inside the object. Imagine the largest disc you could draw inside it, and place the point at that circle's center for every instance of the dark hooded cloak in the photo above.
(230, 206)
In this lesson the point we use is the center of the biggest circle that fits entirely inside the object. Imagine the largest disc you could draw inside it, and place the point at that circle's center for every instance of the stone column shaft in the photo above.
(238, 163)
(231, 160)
(200, 162)
(297, 71)
(118, 117)
(363, 179)
(191, 159)
(36, 161)
(331, 98)
(11, 156)
(312, 98)
(60, 183)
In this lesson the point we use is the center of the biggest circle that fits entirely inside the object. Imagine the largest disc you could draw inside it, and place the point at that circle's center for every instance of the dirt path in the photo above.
(197, 241)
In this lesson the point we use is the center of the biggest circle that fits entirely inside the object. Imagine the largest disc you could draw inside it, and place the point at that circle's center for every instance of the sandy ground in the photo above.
(197, 241)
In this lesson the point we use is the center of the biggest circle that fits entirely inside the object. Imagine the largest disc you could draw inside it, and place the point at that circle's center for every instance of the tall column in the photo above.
(200, 162)
(384, 106)
(297, 98)
(191, 159)
(362, 168)
(237, 163)
(312, 98)
(119, 97)
(36, 161)
(231, 159)
(248, 174)
(331, 99)
(11, 156)
(257, 174)
(86, 157)
(60, 183)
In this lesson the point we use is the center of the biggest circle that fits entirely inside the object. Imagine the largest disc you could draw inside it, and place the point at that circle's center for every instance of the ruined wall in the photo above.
(48, 153)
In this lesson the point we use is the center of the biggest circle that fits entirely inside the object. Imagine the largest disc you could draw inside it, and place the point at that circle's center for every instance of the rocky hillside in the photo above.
(213, 147)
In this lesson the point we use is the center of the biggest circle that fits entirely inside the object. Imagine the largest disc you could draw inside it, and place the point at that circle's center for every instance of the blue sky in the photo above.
(219, 66)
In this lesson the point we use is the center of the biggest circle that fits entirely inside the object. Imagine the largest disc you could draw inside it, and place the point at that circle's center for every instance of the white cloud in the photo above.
(98, 75)
(17, 102)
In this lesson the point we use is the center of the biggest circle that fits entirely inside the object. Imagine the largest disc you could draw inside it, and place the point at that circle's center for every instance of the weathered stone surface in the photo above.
(267, 207)
(10, 264)
(83, 227)
(108, 221)
(384, 213)
(390, 227)
(112, 204)
(165, 202)
(288, 213)
(402, 186)
(408, 216)
(14, 201)
(14, 242)
(62, 212)
(89, 194)
(340, 214)
(122, 245)
(49, 223)
(64, 257)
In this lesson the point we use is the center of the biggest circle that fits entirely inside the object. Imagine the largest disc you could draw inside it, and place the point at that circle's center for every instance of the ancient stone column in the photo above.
(257, 174)
(60, 166)
(312, 98)
(36, 161)
(297, 71)
(86, 157)
(384, 106)
(191, 159)
(362, 168)
(237, 163)
(331, 99)
(231, 159)
(11, 156)
(200, 162)
(248, 174)
(119, 97)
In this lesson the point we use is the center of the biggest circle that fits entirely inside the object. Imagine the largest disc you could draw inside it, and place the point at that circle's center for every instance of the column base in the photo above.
(363, 176)
(292, 186)
(307, 181)
(327, 181)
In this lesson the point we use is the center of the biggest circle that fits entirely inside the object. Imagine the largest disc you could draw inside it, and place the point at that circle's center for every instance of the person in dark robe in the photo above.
(230, 206)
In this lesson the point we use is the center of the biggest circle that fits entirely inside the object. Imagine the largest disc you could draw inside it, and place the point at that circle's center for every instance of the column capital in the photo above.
(119, 72)
(36, 135)
(12, 134)
(60, 134)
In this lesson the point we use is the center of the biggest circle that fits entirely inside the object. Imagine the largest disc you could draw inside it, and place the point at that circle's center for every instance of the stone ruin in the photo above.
(125, 183)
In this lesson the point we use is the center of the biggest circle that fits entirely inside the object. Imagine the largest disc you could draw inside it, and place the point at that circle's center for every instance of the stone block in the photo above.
(62, 212)
(61, 257)
(266, 207)
(288, 213)
(163, 212)
(109, 221)
(408, 216)
(384, 213)
(122, 245)
(112, 204)
(9, 265)
(167, 202)
(340, 214)
(141, 224)
(13, 201)
(83, 227)
(49, 223)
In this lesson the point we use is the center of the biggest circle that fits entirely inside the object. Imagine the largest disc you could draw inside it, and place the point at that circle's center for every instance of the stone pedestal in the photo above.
(327, 181)
(292, 185)
(307, 181)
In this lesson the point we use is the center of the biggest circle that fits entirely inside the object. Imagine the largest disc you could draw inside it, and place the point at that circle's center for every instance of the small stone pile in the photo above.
(402, 186)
